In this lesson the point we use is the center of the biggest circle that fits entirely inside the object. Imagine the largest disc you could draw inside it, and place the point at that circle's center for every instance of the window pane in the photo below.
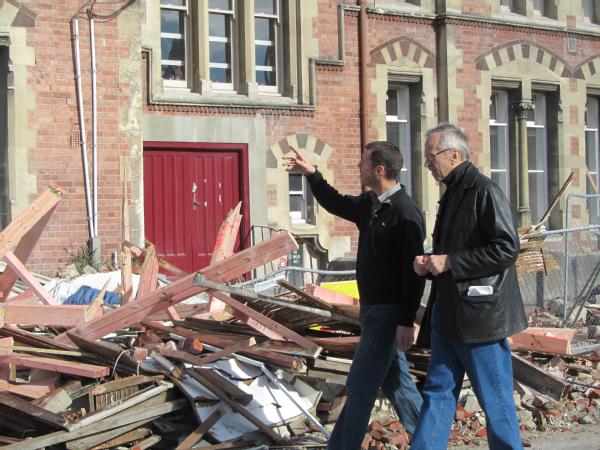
(393, 133)
(295, 203)
(265, 55)
(264, 29)
(493, 105)
(537, 196)
(264, 78)
(219, 75)
(391, 105)
(265, 7)
(219, 25)
(173, 72)
(587, 8)
(220, 4)
(501, 179)
(591, 150)
(172, 49)
(172, 2)
(171, 21)
(296, 182)
(220, 52)
(403, 179)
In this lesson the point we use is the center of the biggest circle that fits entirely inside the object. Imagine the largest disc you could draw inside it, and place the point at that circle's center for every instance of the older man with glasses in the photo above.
(475, 301)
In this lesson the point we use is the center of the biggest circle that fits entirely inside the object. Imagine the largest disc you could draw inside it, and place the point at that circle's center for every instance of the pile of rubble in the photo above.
(196, 362)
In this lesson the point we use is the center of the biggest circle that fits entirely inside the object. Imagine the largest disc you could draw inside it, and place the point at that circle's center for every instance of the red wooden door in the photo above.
(187, 194)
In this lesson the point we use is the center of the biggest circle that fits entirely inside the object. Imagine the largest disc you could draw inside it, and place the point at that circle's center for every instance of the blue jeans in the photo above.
(489, 367)
(377, 363)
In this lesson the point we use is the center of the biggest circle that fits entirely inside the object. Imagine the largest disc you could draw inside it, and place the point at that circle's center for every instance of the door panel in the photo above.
(184, 231)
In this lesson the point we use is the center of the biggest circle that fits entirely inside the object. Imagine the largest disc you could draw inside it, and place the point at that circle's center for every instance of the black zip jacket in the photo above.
(474, 227)
(391, 234)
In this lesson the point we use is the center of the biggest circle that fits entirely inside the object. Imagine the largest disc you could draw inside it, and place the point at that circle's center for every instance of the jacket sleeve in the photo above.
(409, 241)
(500, 240)
(345, 206)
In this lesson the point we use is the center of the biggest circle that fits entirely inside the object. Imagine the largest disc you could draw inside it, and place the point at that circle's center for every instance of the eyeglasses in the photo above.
(430, 156)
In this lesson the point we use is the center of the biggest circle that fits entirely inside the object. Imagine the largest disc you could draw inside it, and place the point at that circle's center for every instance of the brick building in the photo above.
(198, 100)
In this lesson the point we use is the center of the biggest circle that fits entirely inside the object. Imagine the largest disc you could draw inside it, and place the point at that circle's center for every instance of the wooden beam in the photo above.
(540, 380)
(120, 419)
(21, 235)
(125, 252)
(29, 390)
(238, 264)
(199, 432)
(95, 307)
(112, 438)
(224, 243)
(34, 412)
(287, 362)
(16, 265)
(207, 359)
(46, 315)
(58, 365)
(138, 253)
(266, 325)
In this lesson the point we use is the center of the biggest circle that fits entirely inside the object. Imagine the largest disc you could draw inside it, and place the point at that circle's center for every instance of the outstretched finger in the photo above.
(298, 155)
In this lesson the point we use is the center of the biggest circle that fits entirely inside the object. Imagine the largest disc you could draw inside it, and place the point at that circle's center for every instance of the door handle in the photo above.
(194, 201)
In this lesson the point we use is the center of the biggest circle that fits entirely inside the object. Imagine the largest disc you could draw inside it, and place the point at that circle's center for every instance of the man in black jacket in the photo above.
(475, 301)
(391, 235)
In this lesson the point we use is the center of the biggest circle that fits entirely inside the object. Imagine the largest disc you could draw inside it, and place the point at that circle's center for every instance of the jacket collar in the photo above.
(464, 174)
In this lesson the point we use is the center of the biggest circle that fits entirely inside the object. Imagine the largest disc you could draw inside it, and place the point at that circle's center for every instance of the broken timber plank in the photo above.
(199, 432)
(288, 362)
(224, 243)
(28, 390)
(35, 412)
(112, 438)
(252, 317)
(149, 278)
(95, 307)
(203, 360)
(238, 264)
(21, 234)
(47, 315)
(35, 340)
(134, 415)
(58, 365)
(543, 382)
(125, 252)
(226, 386)
(551, 340)
(17, 266)
(162, 263)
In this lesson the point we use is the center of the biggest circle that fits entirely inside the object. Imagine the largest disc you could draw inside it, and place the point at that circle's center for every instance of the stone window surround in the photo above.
(293, 89)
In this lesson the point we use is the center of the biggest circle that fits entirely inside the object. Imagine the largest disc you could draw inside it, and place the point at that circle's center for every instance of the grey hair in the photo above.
(451, 137)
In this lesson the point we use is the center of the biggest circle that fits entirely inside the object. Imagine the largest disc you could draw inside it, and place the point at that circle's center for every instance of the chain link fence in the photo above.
(559, 272)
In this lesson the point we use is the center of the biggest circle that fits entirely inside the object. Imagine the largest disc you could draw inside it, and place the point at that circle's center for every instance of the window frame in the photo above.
(501, 122)
(404, 108)
(594, 173)
(233, 41)
(185, 38)
(302, 216)
(273, 89)
(539, 123)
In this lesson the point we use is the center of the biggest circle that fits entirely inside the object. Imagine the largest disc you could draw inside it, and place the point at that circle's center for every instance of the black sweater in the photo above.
(391, 234)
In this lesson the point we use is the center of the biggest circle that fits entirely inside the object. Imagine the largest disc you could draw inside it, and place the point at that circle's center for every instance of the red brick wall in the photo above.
(54, 117)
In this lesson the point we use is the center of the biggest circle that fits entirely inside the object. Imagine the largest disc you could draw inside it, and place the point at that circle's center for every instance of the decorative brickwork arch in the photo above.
(524, 50)
(318, 153)
(17, 14)
(403, 48)
(588, 68)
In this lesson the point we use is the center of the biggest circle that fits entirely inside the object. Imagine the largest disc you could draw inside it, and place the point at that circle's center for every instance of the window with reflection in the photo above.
(538, 159)
(499, 163)
(173, 15)
(221, 34)
(591, 156)
(267, 43)
(398, 125)
(302, 201)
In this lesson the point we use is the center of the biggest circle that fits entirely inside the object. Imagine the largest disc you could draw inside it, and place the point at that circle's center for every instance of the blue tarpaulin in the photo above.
(86, 295)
